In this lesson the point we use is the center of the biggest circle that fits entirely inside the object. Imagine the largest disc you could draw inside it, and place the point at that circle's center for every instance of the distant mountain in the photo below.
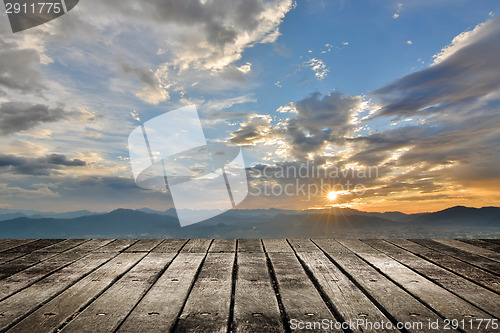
(7, 214)
(455, 222)
(118, 223)
(169, 212)
(460, 215)
(393, 216)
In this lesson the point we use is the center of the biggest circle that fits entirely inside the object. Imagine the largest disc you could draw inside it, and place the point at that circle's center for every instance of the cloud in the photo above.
(145, 76)
(152, 95)
(246, 68)
(318, 67)
(231, 115)
(28, 148)
(209, 35)
(217, 105)
(103, 192)
(150, 91)
(252, 131)
(41, 166)
(289, 108)
(316, 121)
(399, 8)
(464, 39)
(462, 74)
(18, 116)
(69, 193)
(35, 192)
(333, 111)
(95, 135)
(166, 46)
(17, 69)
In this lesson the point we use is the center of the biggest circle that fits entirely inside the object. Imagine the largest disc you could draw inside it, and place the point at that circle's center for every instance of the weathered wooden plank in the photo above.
(223, 245)
(53, 314)
(7, 244)
(397, 302)
(441, 300)
(482, 243)
(250, 245)
(19, 251)
(208, 305)
(36, 272)
(477, 275)
(197, 246)
(144, 245)
(27, 300)
(89, 246)
(62, 246)
(36, 257)
(115, 245)
(170, 245)
(6, 257)
(21, 263)
(159, 308)
(301, 301)
(350, 302)
(481, 262)
(276, 245)
(33, 246)
(255, 305)
(111, 308)
(473, 293)
(493, 241)
(470, 248)
(304, 245)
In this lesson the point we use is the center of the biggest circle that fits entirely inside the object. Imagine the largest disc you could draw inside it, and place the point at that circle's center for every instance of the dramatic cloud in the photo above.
(313, 122)
(109, 57)
(446, 138)
(16, 116)
(213, 33)
(463, 73)
(451, 112)
(168, 46)
(42, 166)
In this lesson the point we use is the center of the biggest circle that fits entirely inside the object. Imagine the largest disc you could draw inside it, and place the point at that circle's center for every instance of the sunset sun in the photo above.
(332, 195)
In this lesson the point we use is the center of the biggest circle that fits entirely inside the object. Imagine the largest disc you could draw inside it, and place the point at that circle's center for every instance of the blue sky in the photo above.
(377, 51)
(360, 84)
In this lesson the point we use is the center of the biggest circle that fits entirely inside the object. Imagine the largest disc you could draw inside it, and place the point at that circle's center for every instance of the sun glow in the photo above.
(332, 195)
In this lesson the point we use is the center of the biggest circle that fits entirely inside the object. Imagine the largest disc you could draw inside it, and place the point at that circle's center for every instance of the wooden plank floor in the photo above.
(249, 285)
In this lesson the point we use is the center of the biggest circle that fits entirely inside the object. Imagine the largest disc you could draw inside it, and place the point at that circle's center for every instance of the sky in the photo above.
(401, 98)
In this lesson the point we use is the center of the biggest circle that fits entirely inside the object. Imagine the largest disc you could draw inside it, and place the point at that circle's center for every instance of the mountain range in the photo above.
(455, 222)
